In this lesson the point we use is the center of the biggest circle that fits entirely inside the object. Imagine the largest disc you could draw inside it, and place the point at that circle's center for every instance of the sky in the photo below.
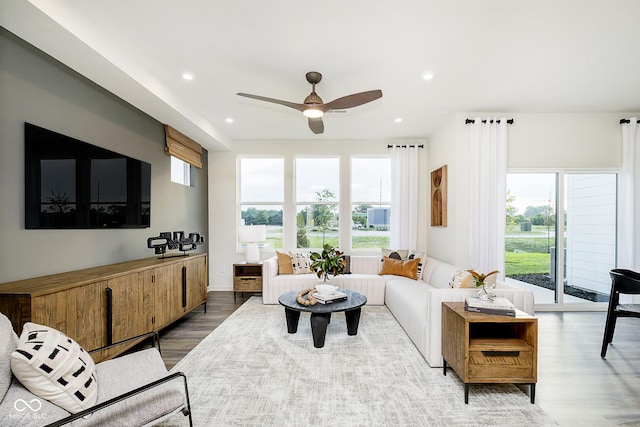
(532, 189)
(263, 179)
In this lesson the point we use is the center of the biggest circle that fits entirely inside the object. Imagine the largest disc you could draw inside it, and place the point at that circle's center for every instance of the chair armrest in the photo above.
(155, 338)
(127, 395)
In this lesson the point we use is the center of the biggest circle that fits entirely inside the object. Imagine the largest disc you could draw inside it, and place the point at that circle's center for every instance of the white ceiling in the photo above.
(505, 56)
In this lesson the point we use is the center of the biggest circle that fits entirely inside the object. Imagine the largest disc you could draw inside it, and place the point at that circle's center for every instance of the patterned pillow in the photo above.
(422, 257)
(395, 253)
(54, 367)
(284, 263)
(301, 263)
(347, 260)
(462, 279)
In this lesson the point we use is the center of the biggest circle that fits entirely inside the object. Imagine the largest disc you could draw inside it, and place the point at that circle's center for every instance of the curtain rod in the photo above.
(628, 121)
(405, 146)
(466, 122)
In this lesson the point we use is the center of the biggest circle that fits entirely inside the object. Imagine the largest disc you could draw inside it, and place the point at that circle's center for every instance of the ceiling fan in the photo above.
(313, 107)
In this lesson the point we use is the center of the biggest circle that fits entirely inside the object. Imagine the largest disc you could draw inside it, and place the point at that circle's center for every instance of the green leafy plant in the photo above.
(480, 278)
(329, 261)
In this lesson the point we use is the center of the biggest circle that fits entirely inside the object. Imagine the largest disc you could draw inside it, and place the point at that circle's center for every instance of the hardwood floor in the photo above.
(182, 336)
(575, 386)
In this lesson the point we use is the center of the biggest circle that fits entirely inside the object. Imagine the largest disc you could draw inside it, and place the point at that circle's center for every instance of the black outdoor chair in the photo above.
(622, 282)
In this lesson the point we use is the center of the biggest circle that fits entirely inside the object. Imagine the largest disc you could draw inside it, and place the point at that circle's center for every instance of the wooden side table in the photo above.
(488, 348)
(247, 278)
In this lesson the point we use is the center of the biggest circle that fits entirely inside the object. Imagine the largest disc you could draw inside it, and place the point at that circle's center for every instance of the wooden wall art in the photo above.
(439, 197)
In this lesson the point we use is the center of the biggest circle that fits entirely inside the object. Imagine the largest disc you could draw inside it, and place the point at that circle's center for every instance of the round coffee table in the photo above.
(321, 314)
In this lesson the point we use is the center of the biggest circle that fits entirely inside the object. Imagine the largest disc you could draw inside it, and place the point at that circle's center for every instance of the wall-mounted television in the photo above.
(73, 184)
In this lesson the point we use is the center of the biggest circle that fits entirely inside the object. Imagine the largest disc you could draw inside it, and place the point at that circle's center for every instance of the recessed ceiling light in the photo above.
(188, 76)
(427, 75)
(398, 119)
(229, 120)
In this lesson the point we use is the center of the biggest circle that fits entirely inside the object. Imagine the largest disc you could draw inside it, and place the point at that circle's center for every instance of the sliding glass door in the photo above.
(589, 236)
(560, 239)
(530, 237)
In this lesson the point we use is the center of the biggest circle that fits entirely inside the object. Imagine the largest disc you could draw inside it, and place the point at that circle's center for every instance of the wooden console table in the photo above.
(487, 348)
(109, 304)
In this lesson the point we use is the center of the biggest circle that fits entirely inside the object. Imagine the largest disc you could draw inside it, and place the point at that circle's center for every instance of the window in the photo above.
(579, 207)
(262, 195)
(370, 202)
(182, 172)
(317, 202)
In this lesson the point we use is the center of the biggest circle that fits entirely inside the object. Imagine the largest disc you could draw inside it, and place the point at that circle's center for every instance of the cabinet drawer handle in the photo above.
(247, 278)
(501, 353)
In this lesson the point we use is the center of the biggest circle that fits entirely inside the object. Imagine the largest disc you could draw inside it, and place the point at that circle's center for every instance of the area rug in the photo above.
(251, 372)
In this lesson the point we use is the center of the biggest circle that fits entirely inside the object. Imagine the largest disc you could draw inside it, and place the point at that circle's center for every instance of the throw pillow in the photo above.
(284, 263)
(54, 367)
(400, 254)
(301, 263)
(347, 260)
(462, 279)
(398, 267)
(395, 253)
(8, 343)
(421, 257)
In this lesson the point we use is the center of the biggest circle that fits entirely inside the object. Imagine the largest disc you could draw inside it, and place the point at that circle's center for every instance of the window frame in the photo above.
(353, 202)
(309, 203)
(251, 203)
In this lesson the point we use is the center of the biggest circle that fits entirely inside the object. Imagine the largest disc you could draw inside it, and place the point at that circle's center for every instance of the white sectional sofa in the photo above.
(416, 304)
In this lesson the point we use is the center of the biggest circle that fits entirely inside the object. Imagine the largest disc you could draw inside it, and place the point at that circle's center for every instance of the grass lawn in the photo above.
(361, 242)
(526, 263)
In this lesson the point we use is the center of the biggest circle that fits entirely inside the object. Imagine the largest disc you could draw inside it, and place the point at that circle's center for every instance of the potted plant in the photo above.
(486, 293)
(330, 261)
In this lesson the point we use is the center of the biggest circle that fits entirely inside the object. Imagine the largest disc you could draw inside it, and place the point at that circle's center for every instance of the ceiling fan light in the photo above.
(313, 113)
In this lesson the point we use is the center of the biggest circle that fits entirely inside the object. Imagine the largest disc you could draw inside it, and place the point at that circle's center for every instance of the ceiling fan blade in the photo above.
(354, 100)
(316, 125)
(299, 107)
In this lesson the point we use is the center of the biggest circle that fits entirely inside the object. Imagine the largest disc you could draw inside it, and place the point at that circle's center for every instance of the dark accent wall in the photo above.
(38, 89)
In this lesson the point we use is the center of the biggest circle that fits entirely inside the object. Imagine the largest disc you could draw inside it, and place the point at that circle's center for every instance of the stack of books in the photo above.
(336, 297)
(500, 306)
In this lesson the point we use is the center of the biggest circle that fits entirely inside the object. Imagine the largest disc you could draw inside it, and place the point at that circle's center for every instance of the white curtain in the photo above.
(629, 198)
(488, 174)
(404, 197)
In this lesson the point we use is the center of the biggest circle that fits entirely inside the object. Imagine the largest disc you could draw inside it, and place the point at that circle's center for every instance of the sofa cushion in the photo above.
(398, 267)
(54, 367)
(9, 341)
(301, 263)
(440, 274)
(284, 263)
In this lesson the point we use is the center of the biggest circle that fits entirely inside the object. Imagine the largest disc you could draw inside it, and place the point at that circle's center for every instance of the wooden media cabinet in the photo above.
(109, 304)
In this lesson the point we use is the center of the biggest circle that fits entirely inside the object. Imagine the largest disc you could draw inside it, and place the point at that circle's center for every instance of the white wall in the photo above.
(223, 208)
(536, 142)
(40, 90)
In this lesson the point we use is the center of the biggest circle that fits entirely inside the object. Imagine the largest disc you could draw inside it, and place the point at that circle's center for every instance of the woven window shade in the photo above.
(181, 146)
